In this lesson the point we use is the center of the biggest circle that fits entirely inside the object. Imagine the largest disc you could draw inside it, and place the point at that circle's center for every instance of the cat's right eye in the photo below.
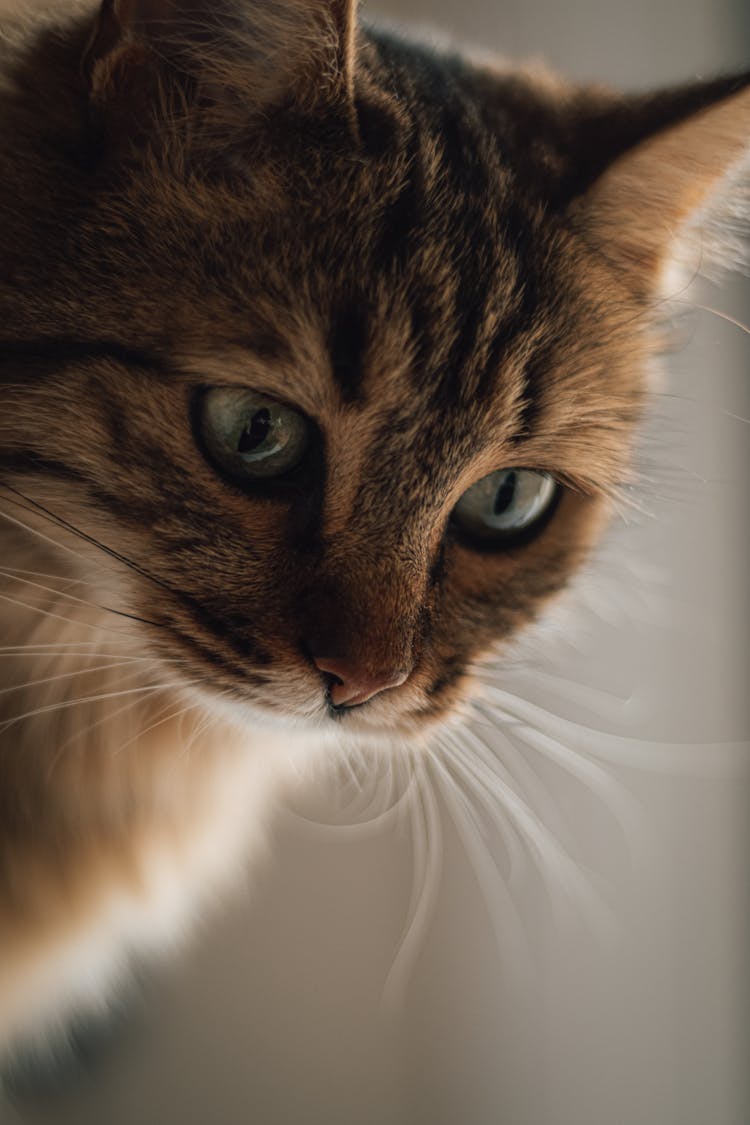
(505, 506)
(249, 436)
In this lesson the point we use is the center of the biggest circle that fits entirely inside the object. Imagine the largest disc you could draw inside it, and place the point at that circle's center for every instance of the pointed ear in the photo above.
(256, 54)
(677, 195)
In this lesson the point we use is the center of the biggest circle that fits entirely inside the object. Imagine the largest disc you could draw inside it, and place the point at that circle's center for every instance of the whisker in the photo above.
(603, 703)
(81, 733)
(505, 920)
(201, 727)
(100, 698)
(67, 580)
(564, 879)
(725, 316)
(361, 828)
(59, 521)
(64, 676)
(685, 759)
(511, 839)
(80, 601)
(369, 795)
(49, 613)
(59, 617)
(427, 845)
(527, 781)
(615, 798)
(737, 417)
(35, 531)
(66, 650)
(157, 723)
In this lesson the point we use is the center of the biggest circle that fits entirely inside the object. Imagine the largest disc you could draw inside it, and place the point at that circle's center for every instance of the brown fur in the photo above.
(445, 266)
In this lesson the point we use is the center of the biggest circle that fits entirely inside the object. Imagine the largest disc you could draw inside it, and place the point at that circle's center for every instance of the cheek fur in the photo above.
(253, 628)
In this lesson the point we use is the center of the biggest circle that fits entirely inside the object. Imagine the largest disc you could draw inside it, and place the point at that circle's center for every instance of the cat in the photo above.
(322, 359)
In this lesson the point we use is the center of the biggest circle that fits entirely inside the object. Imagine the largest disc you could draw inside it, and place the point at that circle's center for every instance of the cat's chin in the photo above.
(382, 727)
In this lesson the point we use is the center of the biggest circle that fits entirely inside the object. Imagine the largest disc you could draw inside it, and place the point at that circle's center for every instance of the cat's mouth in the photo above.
(299, 691)
(404, 710)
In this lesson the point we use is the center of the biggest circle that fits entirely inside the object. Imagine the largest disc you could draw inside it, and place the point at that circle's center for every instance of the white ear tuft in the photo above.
(676, 204)
(715, 239)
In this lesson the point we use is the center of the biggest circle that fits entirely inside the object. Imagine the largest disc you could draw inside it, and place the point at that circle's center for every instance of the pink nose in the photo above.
(353, 685)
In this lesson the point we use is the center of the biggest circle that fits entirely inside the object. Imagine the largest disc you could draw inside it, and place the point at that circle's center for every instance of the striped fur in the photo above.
(427, 257)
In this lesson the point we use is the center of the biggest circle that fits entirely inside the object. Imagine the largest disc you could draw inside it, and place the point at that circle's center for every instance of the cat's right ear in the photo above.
(671, 195)
(145, 56)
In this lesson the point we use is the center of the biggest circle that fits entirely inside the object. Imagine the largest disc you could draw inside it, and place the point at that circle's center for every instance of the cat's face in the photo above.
(346, 397)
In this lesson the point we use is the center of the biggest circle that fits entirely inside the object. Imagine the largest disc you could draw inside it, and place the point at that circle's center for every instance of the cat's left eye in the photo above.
(505, 505)
(249, 436)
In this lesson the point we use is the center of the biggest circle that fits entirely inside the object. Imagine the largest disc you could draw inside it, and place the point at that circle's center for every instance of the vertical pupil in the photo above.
(504, 494)
(255, 432)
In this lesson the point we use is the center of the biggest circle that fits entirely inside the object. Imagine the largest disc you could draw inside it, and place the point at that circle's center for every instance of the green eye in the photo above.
(504, 504)
(250, 436)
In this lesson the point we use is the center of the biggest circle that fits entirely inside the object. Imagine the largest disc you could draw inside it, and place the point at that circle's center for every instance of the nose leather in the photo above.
(354, 685)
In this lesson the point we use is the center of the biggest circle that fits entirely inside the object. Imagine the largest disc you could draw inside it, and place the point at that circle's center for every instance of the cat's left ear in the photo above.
(678, 192)
(251, 53)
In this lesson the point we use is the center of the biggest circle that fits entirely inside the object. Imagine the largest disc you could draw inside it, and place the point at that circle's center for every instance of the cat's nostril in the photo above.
(351, 685)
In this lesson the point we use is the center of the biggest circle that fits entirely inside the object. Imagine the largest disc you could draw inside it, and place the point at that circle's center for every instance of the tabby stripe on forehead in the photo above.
(530, 401)
(347, 345)
(404, 215)
(400, 227)
(528, 397)
(469, 240)
(519, 315)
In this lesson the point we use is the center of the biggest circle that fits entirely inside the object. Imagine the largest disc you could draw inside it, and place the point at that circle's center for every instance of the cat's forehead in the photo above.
(421, 221)
(407, 294)
(418, 271)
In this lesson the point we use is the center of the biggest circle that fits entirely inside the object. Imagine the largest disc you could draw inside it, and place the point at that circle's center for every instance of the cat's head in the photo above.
(336, 345)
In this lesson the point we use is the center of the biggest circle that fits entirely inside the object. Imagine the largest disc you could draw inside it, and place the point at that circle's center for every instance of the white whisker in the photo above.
(35, 531)
(724, 316)
(510, 837)
(64, 676)
(427, 845)
(159, 721)
(67, 703)
(199, 729)
(737, 417)
(55, 592)
(603, 703)
(59, 652)
(615, 797)
(67, 580)
(565, 881)
(80, 734)
(682, 759)
(59, 617)
(501, 910)
(364, 825)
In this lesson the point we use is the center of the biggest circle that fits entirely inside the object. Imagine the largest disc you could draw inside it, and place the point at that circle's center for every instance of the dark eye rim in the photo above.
(510, 540)
(302, 478)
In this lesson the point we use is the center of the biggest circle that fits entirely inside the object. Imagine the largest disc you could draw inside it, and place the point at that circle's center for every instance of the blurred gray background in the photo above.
(524, 1006)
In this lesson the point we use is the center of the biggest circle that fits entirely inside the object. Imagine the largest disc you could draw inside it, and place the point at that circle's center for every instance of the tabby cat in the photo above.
(321, 356)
